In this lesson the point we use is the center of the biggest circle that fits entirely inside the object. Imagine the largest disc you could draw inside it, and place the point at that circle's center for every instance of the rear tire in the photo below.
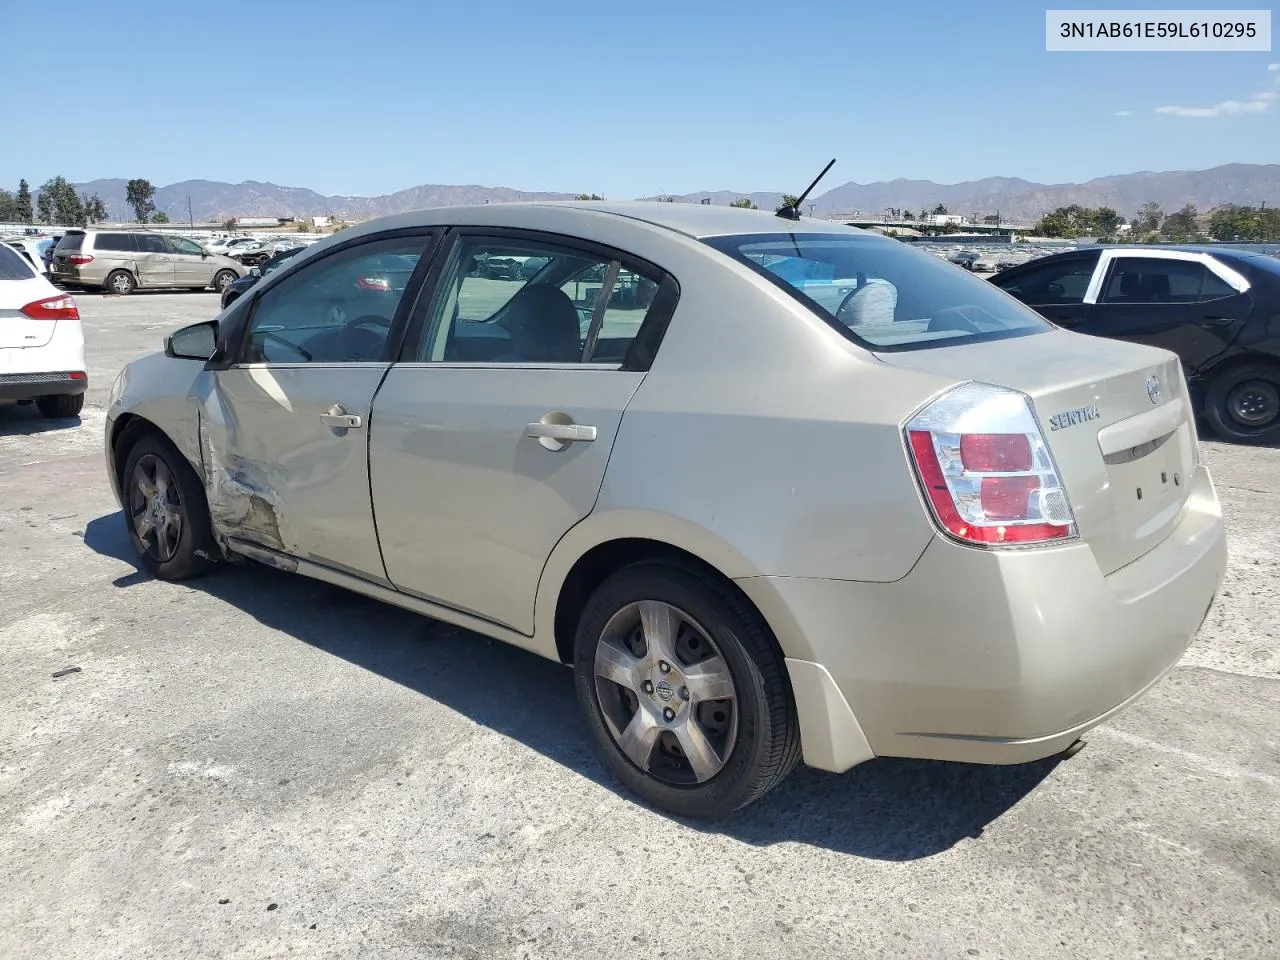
(743, 730)
(165, 511)
(120, 282)
(1242, 404)
(61, 407)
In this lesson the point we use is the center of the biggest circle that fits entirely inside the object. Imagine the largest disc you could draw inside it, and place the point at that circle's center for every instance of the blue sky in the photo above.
(624, 99)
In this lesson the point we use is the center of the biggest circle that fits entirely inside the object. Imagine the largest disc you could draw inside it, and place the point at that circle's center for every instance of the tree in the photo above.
(59, 203)
(588, 196)
(22, 203)
(940, 210)
(743, 204)
(160, 217)
(95, 210)
(138, 194)
(1149, 217)
(1181, 226)
(8, 207)
(1106, 221)
(788, 201)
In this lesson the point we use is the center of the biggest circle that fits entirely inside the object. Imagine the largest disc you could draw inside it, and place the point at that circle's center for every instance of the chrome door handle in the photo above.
(564, 432)
(339, 419)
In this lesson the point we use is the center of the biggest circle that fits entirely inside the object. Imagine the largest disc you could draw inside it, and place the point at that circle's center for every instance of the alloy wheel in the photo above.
(155, 508)
(666, 693)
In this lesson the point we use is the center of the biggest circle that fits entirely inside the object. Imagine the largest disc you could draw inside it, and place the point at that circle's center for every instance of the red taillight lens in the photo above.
(991, 488)
(79, 259)
(52, 308)
(995, 452)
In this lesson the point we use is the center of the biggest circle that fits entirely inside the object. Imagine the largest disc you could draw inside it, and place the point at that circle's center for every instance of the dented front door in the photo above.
(286, 456)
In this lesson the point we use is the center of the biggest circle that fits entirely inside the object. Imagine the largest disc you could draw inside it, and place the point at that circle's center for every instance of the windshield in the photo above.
(882, 293)
(12, 266)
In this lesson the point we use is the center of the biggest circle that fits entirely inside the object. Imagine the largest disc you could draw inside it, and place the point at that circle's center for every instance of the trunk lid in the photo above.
(17, 330)
(1116, 416)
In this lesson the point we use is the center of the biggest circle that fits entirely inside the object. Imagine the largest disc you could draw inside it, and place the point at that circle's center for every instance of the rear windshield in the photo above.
(12, 264)
(70, 243)
(881, 293)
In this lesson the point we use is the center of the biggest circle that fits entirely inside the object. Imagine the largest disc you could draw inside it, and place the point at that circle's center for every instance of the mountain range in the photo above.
(1015, 199)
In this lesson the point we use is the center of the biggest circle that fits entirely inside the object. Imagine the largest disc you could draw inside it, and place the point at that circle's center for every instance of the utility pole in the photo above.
(190, 219)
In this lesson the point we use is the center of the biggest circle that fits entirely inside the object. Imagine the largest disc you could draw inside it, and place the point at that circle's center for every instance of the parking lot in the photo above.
(253, 764)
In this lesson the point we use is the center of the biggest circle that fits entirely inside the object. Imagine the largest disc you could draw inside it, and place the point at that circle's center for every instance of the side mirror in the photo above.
(196, 342)
(255, 271)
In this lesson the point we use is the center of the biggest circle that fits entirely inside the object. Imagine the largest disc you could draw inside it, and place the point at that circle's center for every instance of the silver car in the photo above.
(120, 262)
(776, 490)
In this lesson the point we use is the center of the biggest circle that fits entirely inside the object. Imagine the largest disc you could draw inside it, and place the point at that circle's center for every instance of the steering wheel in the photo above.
(268, 335)
(364, 337)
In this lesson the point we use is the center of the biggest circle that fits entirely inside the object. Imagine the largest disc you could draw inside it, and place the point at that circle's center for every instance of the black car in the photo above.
(1218, 309)
(233, 290)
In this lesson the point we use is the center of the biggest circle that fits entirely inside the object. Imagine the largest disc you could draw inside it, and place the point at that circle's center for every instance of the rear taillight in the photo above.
(79, 259)
(381, 284)
(986, 470)
(52, 308)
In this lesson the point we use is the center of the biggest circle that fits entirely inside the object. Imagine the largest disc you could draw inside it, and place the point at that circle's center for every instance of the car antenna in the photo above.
(791, 211)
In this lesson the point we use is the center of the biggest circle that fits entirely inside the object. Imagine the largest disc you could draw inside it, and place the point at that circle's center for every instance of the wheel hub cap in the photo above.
(1255, 403)
(665, 693)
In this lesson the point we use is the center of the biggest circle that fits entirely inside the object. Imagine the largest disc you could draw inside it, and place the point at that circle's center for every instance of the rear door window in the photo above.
(1155, 280)
(116, 242)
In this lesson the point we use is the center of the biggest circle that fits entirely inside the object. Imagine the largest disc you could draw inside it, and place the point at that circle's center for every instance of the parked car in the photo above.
(35, 250)
(41, 341)
(120, 262)
(964, 258)
(232, 291)
(917, 520)
(1216, 308)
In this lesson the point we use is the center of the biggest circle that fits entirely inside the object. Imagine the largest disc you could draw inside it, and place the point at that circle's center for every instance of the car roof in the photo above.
(695, 220)
(1223, 252)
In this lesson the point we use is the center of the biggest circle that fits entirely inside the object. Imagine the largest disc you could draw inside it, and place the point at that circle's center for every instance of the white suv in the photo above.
(41, 343)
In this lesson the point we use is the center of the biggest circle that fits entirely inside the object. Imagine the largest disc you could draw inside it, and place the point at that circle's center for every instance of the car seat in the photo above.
(543, 323)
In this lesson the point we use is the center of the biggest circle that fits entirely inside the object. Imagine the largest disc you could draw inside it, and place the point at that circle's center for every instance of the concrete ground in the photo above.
(256, 765)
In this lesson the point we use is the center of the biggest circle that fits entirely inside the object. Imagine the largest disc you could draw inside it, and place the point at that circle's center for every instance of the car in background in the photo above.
(805, 492)
(1217, 309)
(120, 262)
(41, 341)
(964, 258)
(260, 251)
(36, 250)
(232, 291)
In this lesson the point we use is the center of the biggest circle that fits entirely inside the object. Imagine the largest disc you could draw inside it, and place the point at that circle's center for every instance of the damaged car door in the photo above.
(284, 428)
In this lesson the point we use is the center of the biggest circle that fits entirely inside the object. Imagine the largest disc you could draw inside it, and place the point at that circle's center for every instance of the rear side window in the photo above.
(119, 242)
(13, 266)
(1160, 280)
(881, 293)
(70, 243)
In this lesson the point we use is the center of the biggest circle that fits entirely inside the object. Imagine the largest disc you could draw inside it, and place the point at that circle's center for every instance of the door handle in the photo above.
(1217, 321)
(564, 432)
(339, 419)
(1069, 321)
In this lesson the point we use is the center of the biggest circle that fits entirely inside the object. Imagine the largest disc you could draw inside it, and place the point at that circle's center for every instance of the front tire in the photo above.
(684, 690)
(61, 407)
(121, 282)
(165, 511)
(222, 279)
(1242, 404)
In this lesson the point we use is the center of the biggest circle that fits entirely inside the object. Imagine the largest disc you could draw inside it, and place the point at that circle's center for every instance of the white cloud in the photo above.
(1273, 67)
(1258, 103)
(1124, 113)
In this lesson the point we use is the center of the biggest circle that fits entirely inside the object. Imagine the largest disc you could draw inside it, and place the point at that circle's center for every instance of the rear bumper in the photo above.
(30, 386)
(993, 656)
